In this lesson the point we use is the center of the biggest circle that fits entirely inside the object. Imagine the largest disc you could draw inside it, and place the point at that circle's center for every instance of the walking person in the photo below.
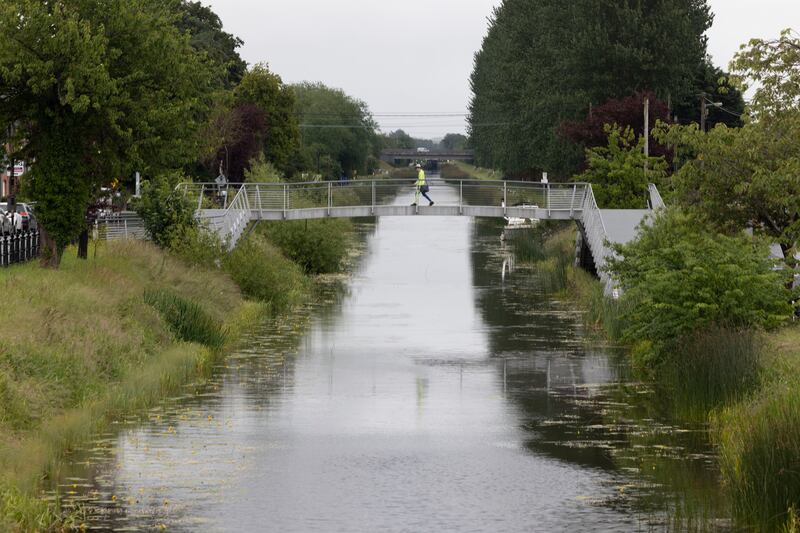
(422, 186)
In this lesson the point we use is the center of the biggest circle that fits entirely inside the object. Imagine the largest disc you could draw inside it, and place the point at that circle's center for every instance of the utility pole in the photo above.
(704, 105)
(703, 112)
(646, 133)
(12, 195)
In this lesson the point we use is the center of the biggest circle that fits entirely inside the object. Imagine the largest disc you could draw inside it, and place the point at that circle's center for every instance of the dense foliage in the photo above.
(167, 216)
(280, 136)
(546, 61)
(682, 278)
(620, 172)
(338, 130)
(114, 84)
(318, 246)
(206, 35)
(625, 112)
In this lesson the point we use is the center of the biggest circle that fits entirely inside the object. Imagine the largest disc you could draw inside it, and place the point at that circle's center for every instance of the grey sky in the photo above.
(416, 56)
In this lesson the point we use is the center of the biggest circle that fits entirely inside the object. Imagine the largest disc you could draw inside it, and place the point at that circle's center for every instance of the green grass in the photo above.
(265, 275)
(82, 346)
(186, 319)
(459, 170)
(759, 442)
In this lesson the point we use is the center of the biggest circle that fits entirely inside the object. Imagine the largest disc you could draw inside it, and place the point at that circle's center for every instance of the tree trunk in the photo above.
(49, 254)
(83, 245)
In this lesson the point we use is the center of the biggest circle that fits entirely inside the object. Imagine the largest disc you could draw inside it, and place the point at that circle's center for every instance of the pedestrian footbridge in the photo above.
(229, 209)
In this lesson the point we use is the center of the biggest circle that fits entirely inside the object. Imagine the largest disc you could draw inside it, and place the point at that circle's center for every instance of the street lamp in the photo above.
(705, 103)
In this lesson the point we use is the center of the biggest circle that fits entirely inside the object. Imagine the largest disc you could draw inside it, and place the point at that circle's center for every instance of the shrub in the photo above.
(262, 273)
(318, 246)
(197, 246)
(166, 215)
(187, 320)
(682, 278)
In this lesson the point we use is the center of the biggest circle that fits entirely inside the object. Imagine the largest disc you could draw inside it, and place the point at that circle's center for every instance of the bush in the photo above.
(198, 247)
(166, 215)
(318, 246)
(262, 273)
(681, 279)
(187, 320)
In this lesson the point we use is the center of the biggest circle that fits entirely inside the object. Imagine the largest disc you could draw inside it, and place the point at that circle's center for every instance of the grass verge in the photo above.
(759, 441)
(89, 342)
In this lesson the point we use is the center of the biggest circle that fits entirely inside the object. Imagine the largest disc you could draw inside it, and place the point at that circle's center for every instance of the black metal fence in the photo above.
(18, 247)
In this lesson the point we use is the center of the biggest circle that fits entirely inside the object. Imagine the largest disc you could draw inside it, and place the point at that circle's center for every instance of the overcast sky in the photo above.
(415, 56)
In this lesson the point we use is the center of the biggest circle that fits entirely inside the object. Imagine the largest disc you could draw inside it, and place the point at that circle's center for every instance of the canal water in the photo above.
(436, 389)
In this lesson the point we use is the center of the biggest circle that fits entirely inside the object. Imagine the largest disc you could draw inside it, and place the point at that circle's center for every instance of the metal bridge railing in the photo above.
(595, 232)
(656, 202)
(116, 226)
(330, 195)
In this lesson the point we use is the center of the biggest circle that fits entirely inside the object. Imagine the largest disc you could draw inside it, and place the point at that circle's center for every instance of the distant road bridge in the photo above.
(228, 210)
(394, 155)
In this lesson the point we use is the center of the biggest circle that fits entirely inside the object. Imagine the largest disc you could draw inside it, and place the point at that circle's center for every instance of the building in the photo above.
(19, 171)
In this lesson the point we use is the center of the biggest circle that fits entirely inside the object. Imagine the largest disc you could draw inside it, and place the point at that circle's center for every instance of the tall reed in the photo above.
(187, 320)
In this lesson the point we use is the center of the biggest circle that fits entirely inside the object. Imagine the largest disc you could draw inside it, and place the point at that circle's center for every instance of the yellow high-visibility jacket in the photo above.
(421, 178)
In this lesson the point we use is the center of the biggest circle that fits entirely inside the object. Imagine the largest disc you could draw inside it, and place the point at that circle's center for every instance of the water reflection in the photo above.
(439, 392)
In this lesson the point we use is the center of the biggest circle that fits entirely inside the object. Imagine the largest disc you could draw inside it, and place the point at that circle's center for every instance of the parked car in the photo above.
(26, 212)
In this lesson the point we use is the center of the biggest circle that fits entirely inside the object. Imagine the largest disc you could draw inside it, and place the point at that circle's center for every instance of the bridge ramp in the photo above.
(621, 224)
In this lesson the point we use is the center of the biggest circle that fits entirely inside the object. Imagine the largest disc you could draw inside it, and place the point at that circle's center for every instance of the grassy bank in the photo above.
(97, 338)
(745, 383)
(459, 170)
(759, 440)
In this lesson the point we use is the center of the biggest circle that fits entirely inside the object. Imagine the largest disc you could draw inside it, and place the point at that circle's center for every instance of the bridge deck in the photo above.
(228, 210)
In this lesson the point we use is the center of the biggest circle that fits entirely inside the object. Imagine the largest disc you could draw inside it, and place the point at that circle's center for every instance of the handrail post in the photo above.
(200, 198)
(547, 185)
(373, 197)
(285, 192)
(330, 197)
(572, 202)
(258, 197)
(505, 197)
(460, 197)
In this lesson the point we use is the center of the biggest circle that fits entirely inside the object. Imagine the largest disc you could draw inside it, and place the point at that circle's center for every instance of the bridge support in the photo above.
(583, 254)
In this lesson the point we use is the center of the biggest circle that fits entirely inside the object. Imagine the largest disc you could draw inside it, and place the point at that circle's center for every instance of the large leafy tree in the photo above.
(337, 126)
(735, 177)
(454, 141)
(206, 34)
(266, 90)
(546, 61)
(625, 112)
(97, 90)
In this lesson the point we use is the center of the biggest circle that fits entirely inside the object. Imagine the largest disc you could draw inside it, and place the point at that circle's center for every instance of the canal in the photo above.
(437, 389)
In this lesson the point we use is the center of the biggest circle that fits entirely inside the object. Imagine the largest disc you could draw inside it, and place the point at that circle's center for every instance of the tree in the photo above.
(547, 61)
(97, 90)
(617, 171)
(681, 277)
(712, 83)
(337, 126)
(625, 112)
(741, 177)
(206, 35)
(265, 89)
(398, 139)
(454, 141)
(749, 176)
(773, 67)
